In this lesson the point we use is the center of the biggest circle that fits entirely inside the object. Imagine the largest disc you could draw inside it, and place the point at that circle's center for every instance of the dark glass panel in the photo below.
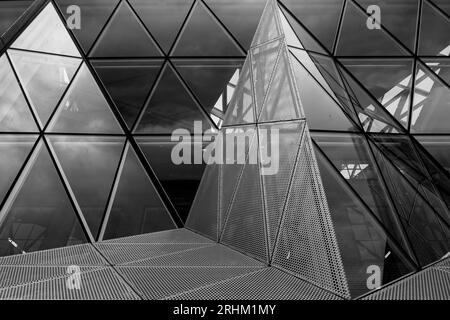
(321, 111)
(434, 30)
(10, 11)
(362, 242)
(431, 103)
(389, 81)
(94, 14)
(443, 5)
(179, 181)
(13, 153)
(89, 165)
(356, 39)
(128, 82)
(44, 78)
(136, 207)
(39, 215)
(170, 107)
(163, 18)
(84, 109)
(397, 16)
(15, 115)
(124, 36)
(308, 11)
(440, 66)
(203, 36)
(438, 147)
(241, 17)
(47, 33)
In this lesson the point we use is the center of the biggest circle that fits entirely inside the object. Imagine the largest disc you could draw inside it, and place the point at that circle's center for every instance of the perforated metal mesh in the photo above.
(429, 284)
(306, 244)
(96, 285)
(170, 236)
(204, 212)
(163, 282)
(267, 284)
(214, 255)
(74, 255)
(121, 253)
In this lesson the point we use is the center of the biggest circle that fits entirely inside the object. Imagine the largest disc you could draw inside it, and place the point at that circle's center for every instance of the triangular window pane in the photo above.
(89, 165)
(321, 111)
(440, 66)
(14, 151)
(15, 115)
(124, 36)
(84, 109)
(203, 36)
(44, 78)
(263, 60)
(434, 30)
(10, 11)
(356, 39)
(128, 83)
(240, 17)
(296, 35)
(163, 18)
(268, 27)
(389, 81)
(281, 102)
(241, 109)
(431, 103)
(47, 33)
(180, 181)
(137, 207)
(94, 15)
(40, 215)
(171, 107)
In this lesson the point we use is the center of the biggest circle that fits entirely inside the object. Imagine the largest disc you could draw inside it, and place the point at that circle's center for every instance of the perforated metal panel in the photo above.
(163, 282)
(169, 236)
(80, 255)
(267, 284)
(95, 285)
(306, 244)
(429, 284)
(214, 255)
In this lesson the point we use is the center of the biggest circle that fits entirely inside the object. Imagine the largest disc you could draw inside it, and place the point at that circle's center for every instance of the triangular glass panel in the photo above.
(440, 66)
(356, 39)
(307, 11)
(14, 151)
(10, 11)
(431, 41)
(84, 109)
(296, 35)
(128, 83)
(44, 78)
(240, 17)
(39, 214)
(362, 241)
(398, 16)
(219, 75)
(245, 227)
(431, 103)
(94, 15)
(202, 35)
(47, 33)
(389, 81)
(15, 115)
(163, 18)
(321, 111)
(136, 206)
(263, 59)
(268, 28)
(171, 107)
(124, 36)
(180, 181)
(438, 147)
(373, 117)
(89, 164)
(277, 175)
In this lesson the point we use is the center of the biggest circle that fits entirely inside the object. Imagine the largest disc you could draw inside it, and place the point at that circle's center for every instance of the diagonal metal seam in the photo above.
(338, 29)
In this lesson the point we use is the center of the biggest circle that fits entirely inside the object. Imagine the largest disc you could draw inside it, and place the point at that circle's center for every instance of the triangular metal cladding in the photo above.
(47, 33)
